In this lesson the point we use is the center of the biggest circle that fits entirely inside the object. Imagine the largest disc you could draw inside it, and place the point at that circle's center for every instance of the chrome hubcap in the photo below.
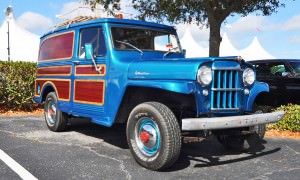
(147, 137)
(51, 112)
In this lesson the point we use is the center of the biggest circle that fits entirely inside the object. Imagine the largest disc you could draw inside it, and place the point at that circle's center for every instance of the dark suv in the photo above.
(283, 77)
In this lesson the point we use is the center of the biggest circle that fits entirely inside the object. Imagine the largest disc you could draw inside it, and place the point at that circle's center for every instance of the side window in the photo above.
(263, 69)
(165, 42)
(57, 47)
(277, 68)
(280, 69)
(95, 37)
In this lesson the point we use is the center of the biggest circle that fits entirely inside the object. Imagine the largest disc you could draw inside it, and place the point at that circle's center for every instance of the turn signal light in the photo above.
(120, 16)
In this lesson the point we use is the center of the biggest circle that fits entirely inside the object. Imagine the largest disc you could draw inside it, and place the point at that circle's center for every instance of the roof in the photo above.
(23, 44)
(192, 47)
(90, 20)
(226, 47)
(255, 51)
(273, 60)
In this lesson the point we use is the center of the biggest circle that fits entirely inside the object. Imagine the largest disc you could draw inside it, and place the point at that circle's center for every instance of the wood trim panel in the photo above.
(89, 70)
(62, 87)
(55, 71)
(89, 91)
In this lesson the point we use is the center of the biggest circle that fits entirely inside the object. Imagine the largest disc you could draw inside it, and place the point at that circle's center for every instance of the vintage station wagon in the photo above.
(127, 71)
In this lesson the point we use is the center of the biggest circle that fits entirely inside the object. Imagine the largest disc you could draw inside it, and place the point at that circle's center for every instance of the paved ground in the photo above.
(95, 152)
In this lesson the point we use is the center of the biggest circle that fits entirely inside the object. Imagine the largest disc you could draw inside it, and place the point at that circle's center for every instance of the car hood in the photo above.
(185, 69)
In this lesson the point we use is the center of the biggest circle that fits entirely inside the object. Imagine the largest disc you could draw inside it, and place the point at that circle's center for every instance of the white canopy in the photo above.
(191, 46)
(23, 44)
(226, 48)
(255, 51)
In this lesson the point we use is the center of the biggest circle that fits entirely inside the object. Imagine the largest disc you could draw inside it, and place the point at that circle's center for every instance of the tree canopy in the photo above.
(211, 13)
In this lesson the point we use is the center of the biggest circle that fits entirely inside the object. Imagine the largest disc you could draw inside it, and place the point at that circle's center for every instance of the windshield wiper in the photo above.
(128, 44)
(171, 51)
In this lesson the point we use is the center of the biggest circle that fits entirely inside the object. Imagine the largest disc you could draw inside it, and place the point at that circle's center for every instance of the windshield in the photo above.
(296, 66)
(144, 39)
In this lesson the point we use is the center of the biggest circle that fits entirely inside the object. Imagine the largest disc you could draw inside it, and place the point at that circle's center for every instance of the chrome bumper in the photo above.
(195, 124)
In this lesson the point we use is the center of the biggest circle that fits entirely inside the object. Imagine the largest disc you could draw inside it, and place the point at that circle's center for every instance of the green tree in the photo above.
(211, 13)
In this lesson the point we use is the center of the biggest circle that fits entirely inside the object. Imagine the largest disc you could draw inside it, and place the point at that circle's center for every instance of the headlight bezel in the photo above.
(249, 76)
(204, 75)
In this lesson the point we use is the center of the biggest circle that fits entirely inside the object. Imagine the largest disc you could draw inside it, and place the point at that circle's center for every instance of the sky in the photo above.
(279, 34)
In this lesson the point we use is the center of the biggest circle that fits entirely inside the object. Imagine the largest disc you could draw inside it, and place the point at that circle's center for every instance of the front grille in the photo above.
(225, 91)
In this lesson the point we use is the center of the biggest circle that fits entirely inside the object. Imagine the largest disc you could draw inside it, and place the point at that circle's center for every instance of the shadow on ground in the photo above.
(206, 153)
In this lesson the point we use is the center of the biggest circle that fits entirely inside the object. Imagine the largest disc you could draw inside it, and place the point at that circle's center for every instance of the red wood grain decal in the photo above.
(89, 70)
(61, 86)
(57, 47)
(54, 71)
(89, 91)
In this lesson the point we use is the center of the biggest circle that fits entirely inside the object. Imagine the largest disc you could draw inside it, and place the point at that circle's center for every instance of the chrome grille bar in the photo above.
(226, 90)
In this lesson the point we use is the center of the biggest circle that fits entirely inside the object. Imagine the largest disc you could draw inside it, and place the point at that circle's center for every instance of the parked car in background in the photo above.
(283, 77)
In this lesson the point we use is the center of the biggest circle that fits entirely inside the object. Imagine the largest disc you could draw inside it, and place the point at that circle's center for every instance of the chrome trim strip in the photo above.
(225, 109)
(226, 89)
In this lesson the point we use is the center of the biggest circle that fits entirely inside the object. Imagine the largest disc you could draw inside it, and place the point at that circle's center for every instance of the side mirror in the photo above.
(89, 51)
(184, 52)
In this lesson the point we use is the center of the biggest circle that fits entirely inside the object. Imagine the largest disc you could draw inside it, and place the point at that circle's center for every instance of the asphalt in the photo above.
(89, 151)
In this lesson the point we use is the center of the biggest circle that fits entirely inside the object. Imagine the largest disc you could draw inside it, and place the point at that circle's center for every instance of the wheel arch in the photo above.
(178, 102)
(46, 90)
(258, 89)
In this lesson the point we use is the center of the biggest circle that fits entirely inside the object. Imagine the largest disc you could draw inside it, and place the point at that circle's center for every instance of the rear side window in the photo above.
(270, 69)
(57, 47)
(95, 37)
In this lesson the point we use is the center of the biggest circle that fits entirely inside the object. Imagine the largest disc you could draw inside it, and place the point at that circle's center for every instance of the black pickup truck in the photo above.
(283, 77)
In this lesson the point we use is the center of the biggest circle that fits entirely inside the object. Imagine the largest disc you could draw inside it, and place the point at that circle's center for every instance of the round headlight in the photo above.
(204, 75)
(248, 76)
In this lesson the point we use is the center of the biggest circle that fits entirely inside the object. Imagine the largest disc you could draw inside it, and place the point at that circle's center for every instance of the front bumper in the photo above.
(195, 124)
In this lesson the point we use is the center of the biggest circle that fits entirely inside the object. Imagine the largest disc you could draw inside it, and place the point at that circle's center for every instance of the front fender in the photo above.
(185, 87)
(257, 88)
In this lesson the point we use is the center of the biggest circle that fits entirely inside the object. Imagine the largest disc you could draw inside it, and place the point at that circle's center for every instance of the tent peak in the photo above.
(9, 12)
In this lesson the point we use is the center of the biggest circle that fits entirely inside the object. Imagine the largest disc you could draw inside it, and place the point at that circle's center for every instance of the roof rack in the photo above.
(75, 20)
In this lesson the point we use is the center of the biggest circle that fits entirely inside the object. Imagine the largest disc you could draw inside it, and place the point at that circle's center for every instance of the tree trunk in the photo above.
(214, 39)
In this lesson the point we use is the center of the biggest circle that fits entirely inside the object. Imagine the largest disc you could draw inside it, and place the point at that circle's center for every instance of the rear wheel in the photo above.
(153, 135)
(55, 119)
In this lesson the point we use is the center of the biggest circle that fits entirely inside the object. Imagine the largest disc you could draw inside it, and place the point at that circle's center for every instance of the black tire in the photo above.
(245, 142)
(233, 142)
(55, 119)
(260, 129)
(153, 135)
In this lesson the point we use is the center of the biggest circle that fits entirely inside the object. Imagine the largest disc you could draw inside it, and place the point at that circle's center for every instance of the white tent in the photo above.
(226, 48)
(23, 44)
(191, 46)
(255, 51)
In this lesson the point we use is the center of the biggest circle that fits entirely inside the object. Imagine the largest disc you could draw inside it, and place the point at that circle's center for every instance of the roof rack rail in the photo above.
(75, 20)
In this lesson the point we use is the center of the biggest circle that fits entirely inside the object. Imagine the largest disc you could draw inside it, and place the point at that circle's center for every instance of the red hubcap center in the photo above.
(51, 112)
(144, 136)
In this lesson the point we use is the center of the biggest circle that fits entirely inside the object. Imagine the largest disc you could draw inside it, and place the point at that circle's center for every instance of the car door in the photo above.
(292, 81)
(89, 84)
(269, 72)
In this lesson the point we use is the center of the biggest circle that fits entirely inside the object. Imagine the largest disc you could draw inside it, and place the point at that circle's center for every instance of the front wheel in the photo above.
(153, 135)
(55, 119)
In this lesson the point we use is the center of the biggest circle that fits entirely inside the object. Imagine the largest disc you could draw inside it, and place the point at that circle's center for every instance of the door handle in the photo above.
(76, 62)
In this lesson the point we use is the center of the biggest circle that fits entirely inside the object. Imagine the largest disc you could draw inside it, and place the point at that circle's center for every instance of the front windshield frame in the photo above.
(177, 49)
